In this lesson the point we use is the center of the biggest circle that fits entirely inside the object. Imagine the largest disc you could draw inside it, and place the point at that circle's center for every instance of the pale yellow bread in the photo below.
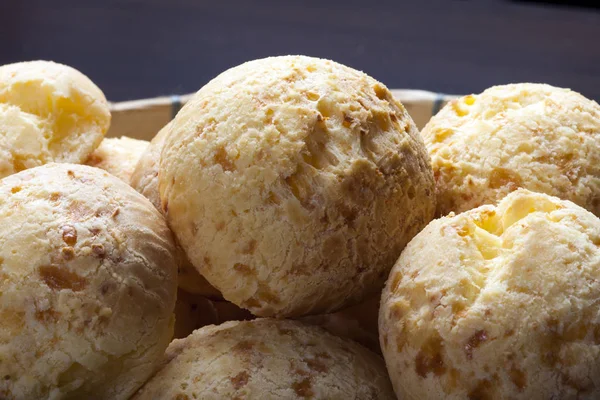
(293, 183)
(499, 302)
(48, 112)
(118, 156)
(358, 322)
(145, 180)
(267, 359)
(193, 311)
(542, 138)
(87, 285)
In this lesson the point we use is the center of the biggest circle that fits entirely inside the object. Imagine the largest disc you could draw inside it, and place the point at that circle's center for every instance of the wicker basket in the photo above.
(142, 119)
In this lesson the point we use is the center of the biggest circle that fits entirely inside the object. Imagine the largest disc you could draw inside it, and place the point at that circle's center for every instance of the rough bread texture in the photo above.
(267, 359)
(87, 285)
(118, 156)
(500, 302)
(358, 322)
(534, 136)
(293, 183)
(145, 180)
(48, 112)
(193, 311)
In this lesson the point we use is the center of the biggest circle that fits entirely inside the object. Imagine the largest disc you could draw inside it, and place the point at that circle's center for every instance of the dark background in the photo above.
(145, 48)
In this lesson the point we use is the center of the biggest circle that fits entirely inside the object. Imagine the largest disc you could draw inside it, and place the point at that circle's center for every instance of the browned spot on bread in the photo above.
(182, 396)
(55, 196)
(243, 269)
(347, 121)
(47, 316)
(475, 341)
(380, 92)
(316, 365)
(250, 247)
(240, 380)
(67, 253)
(61, 278)
(481, 391)
(15, 189)
(303, 388)
(429, 359)
(518, 378)
(69, 235)
(244, 346)
(98, 250)
(223, 160)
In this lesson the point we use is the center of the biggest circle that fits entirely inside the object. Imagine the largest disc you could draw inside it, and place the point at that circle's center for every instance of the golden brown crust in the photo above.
(497, 302)
(293, 183)
(267, 358)
(534, 136)
(48, 112)
(87, 284)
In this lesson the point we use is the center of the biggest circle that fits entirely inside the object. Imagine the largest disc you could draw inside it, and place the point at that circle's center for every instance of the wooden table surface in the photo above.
(145, 48)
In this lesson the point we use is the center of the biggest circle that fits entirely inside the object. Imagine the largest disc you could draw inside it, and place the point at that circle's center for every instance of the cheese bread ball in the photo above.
(293, 183)
(358, 322)
(499, 302)
(118, 156)
(145, 180)
(267, 359)
(534, 136)
(87, 285)
(193, 311)
(48, 112)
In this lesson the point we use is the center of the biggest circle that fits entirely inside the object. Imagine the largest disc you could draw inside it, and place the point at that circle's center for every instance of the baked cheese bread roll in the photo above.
(497, 302)
(48, 112)
(535, 136)
(293, 183)
(88, 283)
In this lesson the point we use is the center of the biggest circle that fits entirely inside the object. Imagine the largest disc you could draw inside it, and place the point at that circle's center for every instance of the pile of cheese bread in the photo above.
(291, 234)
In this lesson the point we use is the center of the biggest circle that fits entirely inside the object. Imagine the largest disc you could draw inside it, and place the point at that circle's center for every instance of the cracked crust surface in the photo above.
(267, 359)
(499, 302)
(48, 112)
(145, 180)
(533, 136)
(87, 285)
(293, 183)
(118, 156)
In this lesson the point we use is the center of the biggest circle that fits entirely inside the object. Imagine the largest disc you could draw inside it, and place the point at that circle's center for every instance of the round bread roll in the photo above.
(48, 112)
(267, 359)
(118, 156)
(497, 302)
(193, 311)
(358, 322)
(535, 136)
(87, 285)
(145, 180)
(293, 183)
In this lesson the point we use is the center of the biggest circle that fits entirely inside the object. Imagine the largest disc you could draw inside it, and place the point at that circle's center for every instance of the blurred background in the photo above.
(145, 48)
